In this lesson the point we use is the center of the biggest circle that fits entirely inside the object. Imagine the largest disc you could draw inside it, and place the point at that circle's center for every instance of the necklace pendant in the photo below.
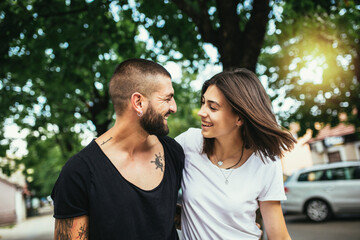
(219, 163)
(226, 181)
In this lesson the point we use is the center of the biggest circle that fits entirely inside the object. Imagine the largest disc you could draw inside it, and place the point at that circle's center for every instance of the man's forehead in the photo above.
(164, 82)
(155, 78)
(166, 91)
(162, 86)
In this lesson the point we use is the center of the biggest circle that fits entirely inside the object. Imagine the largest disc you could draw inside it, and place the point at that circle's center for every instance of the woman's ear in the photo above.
(137, 100)
(239, 122)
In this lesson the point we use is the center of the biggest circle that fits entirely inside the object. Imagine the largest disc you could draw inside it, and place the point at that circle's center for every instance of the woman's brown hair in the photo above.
(248, 99)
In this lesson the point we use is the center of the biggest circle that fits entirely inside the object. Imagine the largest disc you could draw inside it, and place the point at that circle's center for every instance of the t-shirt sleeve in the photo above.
(191, 138)
(181, 139)
(71, 190)
(274, 186)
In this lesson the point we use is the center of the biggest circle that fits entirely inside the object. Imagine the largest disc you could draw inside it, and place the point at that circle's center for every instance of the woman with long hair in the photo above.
(232, 164)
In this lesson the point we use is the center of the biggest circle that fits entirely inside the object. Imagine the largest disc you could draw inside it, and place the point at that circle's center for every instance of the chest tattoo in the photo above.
(159, 162)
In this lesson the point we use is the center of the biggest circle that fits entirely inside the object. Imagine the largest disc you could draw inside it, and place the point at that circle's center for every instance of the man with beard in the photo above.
(124, 184)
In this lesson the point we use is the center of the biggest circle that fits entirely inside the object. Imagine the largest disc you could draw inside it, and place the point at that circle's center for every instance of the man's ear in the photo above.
(137, 102)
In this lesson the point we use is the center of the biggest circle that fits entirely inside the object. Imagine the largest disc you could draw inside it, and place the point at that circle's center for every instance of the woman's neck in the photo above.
(228, 146)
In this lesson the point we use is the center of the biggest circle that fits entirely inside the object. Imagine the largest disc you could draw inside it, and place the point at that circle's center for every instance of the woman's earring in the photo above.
(140, 114)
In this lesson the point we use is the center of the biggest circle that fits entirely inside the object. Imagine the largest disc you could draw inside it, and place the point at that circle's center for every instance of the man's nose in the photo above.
(173, 107)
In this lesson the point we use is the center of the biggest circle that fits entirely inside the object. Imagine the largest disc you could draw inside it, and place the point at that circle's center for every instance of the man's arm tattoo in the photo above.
(63, 229)
(106, 141)
(83, 232)
(159, 162)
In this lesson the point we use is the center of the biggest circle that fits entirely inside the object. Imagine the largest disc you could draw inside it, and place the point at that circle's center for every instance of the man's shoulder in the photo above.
(170, 142)
(168, 139)
(82, 158)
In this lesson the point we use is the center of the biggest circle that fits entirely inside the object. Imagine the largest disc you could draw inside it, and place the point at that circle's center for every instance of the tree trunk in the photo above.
(237, 48)
(242, 48)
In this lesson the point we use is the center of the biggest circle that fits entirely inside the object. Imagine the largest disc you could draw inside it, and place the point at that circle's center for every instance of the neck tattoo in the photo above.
(106, 141)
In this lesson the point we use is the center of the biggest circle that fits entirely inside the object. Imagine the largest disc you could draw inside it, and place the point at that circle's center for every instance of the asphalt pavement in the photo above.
(300, 228)
(33, 228)
(339, 228)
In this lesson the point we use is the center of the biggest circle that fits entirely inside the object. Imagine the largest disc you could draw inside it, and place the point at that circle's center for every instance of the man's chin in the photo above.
(166, 131)
(163, 132)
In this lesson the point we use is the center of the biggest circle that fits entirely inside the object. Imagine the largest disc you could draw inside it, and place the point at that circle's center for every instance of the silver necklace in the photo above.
(226, 177)
(219, 163)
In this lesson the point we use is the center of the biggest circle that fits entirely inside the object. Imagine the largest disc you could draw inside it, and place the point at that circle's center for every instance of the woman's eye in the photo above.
(212, 108)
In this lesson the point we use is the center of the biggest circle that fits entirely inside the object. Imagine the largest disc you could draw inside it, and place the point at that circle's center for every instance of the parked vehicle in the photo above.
(322, 191)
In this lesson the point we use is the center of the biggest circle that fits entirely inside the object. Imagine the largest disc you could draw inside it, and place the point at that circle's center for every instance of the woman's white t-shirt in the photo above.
(213, 209)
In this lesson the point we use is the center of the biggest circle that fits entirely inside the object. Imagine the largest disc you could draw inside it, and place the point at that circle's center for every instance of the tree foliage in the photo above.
(306, 33)
(236, 28)
(56, 60)
(317, 64)
(57, 57)
(188, 103)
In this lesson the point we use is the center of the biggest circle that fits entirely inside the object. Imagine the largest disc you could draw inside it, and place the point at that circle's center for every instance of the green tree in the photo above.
(324, 37)
(304, 32)
(236, 28)
(56, 59)
(44, 162)
(188, 102)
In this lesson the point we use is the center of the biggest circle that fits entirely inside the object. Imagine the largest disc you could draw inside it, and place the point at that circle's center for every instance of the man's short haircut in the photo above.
(134, 75)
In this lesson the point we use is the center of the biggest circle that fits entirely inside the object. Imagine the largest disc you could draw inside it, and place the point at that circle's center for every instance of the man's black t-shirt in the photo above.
(89, 184)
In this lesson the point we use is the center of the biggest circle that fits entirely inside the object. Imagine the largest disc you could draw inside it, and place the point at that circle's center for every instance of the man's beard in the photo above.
(153, 123)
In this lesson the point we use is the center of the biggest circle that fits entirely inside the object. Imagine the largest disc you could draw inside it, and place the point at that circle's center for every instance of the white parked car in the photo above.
(322, 191)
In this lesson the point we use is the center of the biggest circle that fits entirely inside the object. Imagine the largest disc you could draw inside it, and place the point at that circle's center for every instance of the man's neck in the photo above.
(126, 135)
(138, 156)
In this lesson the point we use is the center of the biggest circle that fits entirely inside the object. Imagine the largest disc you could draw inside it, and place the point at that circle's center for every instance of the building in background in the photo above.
(337, 144)
(300, 156)
(13, 195)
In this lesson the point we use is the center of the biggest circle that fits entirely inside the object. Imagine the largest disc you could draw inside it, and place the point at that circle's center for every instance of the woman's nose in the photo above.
(201, 112)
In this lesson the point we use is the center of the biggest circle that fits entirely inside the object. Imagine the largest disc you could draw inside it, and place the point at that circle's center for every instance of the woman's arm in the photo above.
(274, 222)
(72, 228)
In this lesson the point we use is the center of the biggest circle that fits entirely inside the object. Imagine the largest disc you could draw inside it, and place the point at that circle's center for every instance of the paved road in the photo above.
(341, 228)
(344, 228)
(33, 228)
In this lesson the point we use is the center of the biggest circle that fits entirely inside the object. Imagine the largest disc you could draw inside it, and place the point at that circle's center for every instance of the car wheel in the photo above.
(318, 210)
